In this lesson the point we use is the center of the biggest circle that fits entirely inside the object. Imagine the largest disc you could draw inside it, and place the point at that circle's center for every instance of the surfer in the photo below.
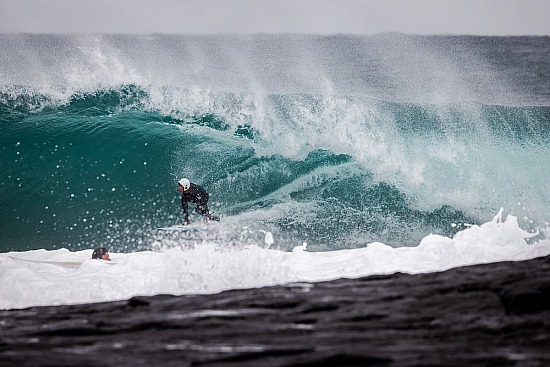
(194, 193)
(101, 253)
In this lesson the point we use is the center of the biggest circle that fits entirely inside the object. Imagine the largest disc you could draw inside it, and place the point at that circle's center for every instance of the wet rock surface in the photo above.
(484, 315)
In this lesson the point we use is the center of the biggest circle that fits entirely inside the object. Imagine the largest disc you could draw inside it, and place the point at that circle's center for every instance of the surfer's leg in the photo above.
(203, 210)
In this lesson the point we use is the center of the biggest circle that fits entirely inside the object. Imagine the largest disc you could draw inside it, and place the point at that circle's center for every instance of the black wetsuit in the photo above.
(197, 195)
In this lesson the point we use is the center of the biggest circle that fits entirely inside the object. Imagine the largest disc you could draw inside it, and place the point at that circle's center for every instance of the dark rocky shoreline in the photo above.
(485, 315)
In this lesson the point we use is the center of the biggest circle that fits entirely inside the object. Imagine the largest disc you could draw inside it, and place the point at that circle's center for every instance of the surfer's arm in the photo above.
(185, 208)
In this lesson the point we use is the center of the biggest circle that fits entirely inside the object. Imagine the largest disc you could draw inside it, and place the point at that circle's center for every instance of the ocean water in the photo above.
(325, 156)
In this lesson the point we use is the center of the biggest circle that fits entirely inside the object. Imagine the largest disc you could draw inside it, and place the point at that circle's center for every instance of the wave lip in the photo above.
(421, 69)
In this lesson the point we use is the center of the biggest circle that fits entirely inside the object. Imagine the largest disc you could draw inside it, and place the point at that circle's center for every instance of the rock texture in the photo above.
(485, 315)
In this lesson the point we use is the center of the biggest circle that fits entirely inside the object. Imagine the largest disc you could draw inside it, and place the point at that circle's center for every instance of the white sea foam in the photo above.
(42, 278)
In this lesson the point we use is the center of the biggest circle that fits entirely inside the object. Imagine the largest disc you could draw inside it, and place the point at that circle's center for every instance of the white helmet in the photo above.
(185, 183)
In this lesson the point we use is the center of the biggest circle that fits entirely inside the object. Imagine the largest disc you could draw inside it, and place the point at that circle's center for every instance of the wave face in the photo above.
(336, 141)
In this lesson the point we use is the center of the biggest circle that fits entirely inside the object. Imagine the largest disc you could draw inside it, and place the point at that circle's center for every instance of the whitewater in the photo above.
(325, 156)
(56, 277)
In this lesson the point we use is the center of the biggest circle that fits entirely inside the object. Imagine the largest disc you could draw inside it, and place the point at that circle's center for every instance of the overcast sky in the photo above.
(483, 17)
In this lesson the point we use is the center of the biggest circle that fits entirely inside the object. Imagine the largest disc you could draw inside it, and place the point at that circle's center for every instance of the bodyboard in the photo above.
(70, 264)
